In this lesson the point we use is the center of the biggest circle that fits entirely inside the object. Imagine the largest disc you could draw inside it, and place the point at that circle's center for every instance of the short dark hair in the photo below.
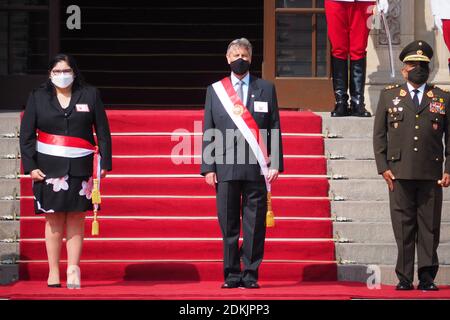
(78, 82)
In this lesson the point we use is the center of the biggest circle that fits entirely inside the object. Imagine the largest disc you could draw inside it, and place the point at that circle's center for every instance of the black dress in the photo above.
(68, 183)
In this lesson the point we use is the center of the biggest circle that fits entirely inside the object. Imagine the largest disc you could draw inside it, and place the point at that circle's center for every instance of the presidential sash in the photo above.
(244, 121)
(74, 147)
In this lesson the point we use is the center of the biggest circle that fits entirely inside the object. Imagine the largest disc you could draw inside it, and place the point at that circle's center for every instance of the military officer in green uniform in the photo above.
(410, 124)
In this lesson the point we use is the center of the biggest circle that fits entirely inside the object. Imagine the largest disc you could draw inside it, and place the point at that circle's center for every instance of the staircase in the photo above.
(158, 54)
(361, 206)
(9, 187)
(158, 219)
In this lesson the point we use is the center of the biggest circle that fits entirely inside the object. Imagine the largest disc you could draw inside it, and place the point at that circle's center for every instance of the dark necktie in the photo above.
(416, 98)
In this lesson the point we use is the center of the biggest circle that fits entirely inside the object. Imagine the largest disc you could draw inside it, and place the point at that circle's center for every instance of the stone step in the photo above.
(9, 146)
(372, 211)
(386, 253)
(9, 166)
(8, 273)
(9, 251)
(361, 273)
(8, 229)
(365, 189)
(353, 169)
(7, 207)
(375, 232)
(347, 127)
(350, 148)
(9, 122)
(9, 187)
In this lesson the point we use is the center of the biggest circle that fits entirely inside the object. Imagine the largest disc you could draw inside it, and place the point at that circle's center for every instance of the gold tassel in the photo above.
(96, 200)
(95, 225)
(270, 217)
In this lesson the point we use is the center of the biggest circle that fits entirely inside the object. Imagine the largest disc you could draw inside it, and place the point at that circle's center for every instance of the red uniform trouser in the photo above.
(446, 29)
(347, 28)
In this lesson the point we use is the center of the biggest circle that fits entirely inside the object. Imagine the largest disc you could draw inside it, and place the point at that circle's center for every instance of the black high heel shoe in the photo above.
(56, 285)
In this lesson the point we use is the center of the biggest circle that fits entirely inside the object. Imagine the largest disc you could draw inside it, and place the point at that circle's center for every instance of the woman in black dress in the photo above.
(57, 146)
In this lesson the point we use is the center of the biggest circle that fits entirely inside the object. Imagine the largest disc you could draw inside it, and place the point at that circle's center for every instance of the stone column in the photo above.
(401, 20)
(425, 29)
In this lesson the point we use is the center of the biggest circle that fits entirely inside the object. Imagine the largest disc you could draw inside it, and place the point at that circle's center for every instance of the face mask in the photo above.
(419, 75)
(240, 66)
(63, 80)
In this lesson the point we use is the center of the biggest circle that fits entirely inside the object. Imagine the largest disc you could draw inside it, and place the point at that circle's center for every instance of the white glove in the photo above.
(383, 6)
(438, 23)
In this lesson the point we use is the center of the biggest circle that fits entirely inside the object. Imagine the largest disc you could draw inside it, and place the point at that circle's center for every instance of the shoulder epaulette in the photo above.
(439, 88)
(392, 86)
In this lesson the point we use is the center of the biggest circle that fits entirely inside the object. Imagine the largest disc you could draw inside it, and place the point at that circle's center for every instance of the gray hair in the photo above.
(240, 43)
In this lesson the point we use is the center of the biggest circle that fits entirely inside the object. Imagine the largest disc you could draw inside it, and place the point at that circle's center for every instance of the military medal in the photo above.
(390, 110)
(400, 109)
(395, 125)
(238, 109)
(395, 109)
(396, 101)
(435, 126)
(402, 93)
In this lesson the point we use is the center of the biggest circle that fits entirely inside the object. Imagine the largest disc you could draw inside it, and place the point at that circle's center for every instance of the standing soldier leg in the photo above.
(338, 32)
(404, 222)
(429, 224)
(359, 35)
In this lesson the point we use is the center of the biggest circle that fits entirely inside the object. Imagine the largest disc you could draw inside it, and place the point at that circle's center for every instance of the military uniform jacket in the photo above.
(408, 140)
(216, 117)
(43, 112)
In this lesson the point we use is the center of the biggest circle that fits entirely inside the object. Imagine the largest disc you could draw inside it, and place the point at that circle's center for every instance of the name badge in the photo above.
(82, 107)
(261, 106)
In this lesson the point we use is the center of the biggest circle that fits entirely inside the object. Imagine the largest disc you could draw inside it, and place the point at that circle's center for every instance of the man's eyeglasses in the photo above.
(57, 72)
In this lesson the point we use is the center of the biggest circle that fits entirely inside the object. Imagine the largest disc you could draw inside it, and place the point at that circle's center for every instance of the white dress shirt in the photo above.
(245, 84)
(421, 91)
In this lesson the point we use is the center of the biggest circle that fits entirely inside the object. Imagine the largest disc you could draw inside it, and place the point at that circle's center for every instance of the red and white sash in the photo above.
(244, 121)
(68, 147)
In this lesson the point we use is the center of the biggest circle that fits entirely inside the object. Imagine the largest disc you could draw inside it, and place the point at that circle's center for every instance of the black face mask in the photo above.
(240, 66)
(419, 75)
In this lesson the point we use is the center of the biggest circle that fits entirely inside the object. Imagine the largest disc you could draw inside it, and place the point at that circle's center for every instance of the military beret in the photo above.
(417, 51)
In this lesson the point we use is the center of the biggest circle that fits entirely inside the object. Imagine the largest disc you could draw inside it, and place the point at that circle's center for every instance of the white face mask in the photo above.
(63, 80)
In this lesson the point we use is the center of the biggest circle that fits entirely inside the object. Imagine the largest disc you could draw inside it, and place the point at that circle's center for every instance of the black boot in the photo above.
(340, 85)
(357, 84)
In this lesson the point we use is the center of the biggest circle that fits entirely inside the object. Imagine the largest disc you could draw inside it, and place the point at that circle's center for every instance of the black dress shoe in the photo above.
(231, 284)
(430, 286)
(404, 286)
(251, 285)
(56, 285)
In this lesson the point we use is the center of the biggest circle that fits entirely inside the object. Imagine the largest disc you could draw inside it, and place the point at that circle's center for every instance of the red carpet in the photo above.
(158, 220)
(210, 290)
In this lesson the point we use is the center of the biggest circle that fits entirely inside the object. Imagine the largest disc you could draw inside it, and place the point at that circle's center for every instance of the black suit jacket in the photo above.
(216, 117)
(412, 142)
(43, 112)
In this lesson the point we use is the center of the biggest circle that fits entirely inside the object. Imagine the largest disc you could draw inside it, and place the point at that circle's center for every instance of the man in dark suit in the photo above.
(410, 124)
(230, 166)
